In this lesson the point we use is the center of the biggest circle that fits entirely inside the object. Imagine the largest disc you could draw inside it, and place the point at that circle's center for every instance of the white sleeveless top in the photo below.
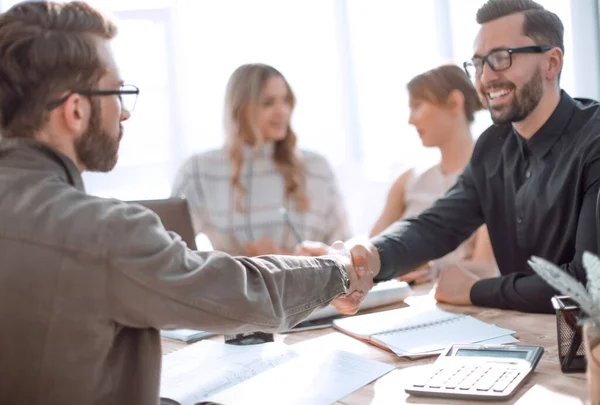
(421, 190)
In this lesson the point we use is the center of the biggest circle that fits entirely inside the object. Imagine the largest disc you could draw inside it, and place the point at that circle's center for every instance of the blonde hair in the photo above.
(241, 99)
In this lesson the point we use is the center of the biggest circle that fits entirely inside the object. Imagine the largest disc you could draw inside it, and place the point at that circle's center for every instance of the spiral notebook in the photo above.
(417, 331)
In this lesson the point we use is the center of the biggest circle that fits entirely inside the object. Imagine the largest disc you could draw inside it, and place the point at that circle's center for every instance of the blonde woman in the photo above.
(442, 105)
(236, 193)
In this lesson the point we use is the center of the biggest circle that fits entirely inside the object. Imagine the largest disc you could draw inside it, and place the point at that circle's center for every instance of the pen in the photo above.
(287, 219)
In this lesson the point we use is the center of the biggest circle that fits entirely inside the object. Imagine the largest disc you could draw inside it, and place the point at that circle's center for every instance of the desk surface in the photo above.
(547, 385)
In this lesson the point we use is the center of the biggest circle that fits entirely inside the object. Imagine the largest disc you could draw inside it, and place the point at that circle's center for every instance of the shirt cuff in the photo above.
(343, 274)
(484, 292)
(386, 271)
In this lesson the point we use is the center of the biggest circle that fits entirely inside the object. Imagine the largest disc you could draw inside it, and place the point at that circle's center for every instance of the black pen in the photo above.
(287, 219)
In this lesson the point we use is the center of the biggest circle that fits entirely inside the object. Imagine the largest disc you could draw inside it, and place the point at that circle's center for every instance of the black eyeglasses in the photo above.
(499, 60)
(127, 96)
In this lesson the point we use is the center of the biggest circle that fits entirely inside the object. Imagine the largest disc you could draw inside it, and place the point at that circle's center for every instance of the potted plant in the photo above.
(589, 302)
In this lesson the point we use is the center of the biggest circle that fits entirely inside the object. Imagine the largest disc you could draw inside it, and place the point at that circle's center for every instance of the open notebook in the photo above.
(384, 293)
(269, 373)
(415, 331)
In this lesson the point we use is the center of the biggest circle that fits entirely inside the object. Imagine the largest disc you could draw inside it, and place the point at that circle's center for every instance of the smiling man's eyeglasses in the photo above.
(127, 96)
(499, 59)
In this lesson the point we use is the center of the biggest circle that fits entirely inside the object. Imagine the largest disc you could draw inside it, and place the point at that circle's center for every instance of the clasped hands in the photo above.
(453, 286)
(361, 260)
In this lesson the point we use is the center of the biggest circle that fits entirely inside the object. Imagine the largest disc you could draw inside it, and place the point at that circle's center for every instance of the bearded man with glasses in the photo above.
(85, 282)
(533, 178)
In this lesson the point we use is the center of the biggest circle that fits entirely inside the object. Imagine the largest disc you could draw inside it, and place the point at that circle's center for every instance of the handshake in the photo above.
(362, 264)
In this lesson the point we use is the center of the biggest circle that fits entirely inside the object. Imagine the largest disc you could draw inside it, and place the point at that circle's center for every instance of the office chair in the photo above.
(175, 216)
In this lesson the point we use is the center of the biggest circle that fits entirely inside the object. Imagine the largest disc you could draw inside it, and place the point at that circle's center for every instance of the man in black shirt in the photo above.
(533, 178)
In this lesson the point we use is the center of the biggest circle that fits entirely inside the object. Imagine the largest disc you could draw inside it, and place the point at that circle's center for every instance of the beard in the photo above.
(96, 149)
(524, 100)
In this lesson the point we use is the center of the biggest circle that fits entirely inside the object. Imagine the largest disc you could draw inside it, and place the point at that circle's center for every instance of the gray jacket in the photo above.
(86, 283)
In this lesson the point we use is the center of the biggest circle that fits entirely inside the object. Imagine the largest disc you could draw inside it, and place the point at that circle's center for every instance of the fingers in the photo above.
(359, 260)
(348, 305)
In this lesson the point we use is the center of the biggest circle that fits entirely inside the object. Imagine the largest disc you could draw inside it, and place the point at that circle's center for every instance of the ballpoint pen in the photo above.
(287, 219)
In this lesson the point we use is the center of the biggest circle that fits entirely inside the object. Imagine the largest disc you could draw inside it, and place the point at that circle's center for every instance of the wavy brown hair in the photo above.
(46, 49)
(241, 101)
(435, 86)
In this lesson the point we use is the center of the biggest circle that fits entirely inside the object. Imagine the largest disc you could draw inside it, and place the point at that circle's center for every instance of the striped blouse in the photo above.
(205, 181)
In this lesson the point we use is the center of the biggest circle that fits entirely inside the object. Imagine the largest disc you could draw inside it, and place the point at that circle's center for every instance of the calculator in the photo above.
(478, 372)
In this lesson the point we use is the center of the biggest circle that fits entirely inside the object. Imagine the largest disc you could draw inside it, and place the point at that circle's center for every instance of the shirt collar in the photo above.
(36, 155)
(545, 137)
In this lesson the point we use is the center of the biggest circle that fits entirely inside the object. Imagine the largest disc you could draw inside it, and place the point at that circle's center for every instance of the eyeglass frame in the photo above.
(54, 104)
(511, 51)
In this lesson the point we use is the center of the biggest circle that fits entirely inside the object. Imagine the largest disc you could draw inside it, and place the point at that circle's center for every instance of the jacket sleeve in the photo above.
(155, 281)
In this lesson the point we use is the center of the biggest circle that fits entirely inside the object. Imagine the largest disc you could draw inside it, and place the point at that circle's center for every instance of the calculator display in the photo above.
(513, 354)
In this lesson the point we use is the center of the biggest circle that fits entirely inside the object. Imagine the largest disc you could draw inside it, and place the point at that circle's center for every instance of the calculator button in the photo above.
(488, 381)
(473, 378)
(505, 381)
(458, 378)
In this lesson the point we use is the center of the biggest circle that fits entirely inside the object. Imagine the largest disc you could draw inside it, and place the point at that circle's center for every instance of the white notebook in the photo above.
(185, 335)
(384, 293)
(418, 331)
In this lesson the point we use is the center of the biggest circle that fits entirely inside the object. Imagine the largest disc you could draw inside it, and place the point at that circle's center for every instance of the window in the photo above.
(347, 61)
(147, 148)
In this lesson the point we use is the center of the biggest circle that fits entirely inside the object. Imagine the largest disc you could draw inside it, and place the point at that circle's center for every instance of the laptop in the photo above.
(175, 216)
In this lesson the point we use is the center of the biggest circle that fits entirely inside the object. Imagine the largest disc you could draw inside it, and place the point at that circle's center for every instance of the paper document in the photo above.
(269, 373)
(205, 368)
(307, 380)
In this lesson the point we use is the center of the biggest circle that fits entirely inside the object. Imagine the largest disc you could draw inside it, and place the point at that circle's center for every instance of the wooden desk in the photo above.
(548, 385)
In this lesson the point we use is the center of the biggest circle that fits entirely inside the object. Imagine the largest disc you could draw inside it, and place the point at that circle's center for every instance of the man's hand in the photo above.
(454, 285)
(264, 246)
(421, 275)
(366, 264)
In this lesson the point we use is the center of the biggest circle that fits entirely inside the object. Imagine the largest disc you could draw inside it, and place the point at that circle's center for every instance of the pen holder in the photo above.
(571, 350)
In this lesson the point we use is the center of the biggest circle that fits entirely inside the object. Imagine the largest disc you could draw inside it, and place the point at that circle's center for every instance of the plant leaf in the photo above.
(592, 268)
(563, 282)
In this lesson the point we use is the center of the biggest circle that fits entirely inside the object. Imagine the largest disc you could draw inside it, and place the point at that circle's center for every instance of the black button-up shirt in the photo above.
(536, 196)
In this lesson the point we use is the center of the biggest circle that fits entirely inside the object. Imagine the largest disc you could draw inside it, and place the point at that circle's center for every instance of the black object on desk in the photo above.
(252, 338)
(571, 351)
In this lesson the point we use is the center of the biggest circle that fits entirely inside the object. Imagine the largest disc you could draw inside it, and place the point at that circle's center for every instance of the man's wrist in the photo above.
(345, 277)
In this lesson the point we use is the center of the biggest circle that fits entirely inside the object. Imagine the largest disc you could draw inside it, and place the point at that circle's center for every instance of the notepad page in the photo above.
(311, 379)
(372, 324)
(461, 329)
(205, 368)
